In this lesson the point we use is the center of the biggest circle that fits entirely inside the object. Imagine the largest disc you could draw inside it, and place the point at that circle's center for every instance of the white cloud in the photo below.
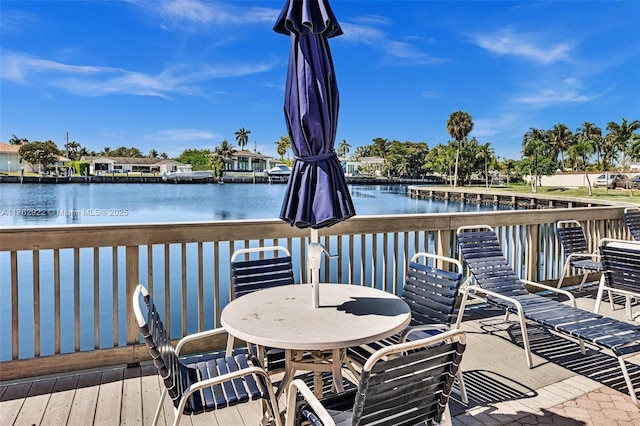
(181, 135)
(526, 45)
(396, 52)
(194, 12)
(86, 80)
(548, 93)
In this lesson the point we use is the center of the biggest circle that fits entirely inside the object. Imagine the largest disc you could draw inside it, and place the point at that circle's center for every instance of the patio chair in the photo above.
(203, 383)
(632, 217)
(431, 293)
(407, 383)
(502, 288)
(576, 250)
(621, 260)
(250, 274)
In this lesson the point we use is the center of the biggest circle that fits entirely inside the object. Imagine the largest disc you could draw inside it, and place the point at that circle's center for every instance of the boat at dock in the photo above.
(187, 173)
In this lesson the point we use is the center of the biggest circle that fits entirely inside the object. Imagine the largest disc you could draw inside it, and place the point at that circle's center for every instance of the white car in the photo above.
(280, 170)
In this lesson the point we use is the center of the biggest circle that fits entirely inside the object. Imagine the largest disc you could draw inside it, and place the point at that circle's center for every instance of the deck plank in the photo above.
(36, 402)
(151, 390)
(131, 397)
(12, 400)
(59, 407)
(110, 398)
(83, 409)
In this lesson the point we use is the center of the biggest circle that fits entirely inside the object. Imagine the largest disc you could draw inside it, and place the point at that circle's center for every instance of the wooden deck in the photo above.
(500, 386)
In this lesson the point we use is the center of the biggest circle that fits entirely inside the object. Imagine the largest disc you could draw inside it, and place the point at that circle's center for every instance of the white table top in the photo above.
(282, 317)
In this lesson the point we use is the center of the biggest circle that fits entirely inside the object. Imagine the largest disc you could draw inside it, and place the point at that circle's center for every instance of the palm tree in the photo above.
(459, 125)
(343, 148)
(533, 146)
(581, 151)
(621, 134)
(225, 150)
(283, 146)
(560, 137)
(592, 133)
(242, 137)
(153, 154)
(488, 155)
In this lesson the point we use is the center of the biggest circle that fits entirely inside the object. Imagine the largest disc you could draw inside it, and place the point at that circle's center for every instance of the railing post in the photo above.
(132, 271)
(532, 252)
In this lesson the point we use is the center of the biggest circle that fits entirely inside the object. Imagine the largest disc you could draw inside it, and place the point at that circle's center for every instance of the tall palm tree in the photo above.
(153, 153)
(343, 148)
(459, 125)
(242, 137)
(283, 146)
(225, 150)
(593, 134)
(486, 153)
(581, 151)
(621, 135)
(533, 146)
(560, 138)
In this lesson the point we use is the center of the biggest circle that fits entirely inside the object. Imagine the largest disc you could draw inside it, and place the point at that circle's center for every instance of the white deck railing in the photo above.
(65, 291)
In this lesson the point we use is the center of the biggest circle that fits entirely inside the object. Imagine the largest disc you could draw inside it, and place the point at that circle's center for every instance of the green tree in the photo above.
(123, 151)
(343, 148)
(440, 159)
(283, 146)
(379, 148)
(71, 149)
(153, 154)
(593, 134)
(459, 125)
(488, 155)
(242, 137)
(42, 154)
(620, 135)
(362, 151)
(561, 139)
(581, 151)
(200, 159)
(535, 148)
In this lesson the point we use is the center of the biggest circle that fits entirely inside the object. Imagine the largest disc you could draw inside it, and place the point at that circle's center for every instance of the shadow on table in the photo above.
(374, 306)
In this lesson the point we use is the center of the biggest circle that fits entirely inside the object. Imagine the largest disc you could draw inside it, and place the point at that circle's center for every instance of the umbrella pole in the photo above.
(315, 253)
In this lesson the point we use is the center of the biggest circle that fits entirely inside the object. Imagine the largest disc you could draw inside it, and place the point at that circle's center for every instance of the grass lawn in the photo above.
(617, 195)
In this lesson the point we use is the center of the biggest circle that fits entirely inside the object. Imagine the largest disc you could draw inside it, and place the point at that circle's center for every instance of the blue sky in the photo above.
(180, 74)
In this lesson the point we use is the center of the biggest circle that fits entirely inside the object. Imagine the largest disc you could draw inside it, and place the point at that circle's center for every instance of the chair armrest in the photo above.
(298, 386)
(423, 327)
(197, 336)
(554, 289)
(592, 256)
(478, 289)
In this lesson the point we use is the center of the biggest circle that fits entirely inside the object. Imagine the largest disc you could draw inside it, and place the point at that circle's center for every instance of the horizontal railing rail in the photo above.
(65, 291)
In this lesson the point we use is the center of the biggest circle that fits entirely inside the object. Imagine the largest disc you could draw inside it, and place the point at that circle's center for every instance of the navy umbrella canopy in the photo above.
(317, 195)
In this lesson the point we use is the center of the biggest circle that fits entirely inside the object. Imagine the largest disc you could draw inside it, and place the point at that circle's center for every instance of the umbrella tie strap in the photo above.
(313, 158)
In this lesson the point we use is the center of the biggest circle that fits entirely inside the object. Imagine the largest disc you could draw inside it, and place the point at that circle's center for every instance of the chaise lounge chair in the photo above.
(502, 288)
(632, 216)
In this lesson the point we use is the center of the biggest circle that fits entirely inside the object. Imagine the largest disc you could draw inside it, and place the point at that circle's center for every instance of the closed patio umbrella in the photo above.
(317, 195)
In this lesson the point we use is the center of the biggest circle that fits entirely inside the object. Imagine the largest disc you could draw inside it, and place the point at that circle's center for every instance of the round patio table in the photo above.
(283, 317)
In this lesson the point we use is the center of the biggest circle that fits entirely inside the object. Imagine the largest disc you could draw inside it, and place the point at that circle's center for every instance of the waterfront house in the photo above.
(248, 161)
(9, 158)
(106, 165)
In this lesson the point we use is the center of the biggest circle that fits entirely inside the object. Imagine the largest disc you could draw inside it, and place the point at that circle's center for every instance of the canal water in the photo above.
(73, 204)
(70, 204)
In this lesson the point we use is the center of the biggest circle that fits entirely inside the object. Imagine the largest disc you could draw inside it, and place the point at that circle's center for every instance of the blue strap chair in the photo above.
(430, 289)
(404, 384)
(249, 274)
(632, 217)
(576, 250)
(203, 383)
